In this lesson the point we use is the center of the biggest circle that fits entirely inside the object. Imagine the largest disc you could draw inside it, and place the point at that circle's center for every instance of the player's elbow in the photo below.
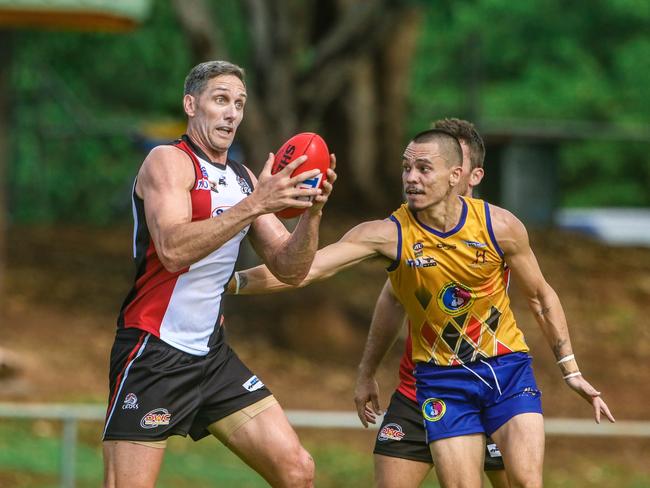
(292, 279)
(171, 260)
(171, 265)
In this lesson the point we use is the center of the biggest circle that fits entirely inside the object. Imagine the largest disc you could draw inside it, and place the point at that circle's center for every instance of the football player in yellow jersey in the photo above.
(401, 454)
(445, 255)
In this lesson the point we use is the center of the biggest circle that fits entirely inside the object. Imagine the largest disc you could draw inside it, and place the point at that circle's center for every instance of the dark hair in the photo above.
(448, 142)
(199, 76)
(466, 132)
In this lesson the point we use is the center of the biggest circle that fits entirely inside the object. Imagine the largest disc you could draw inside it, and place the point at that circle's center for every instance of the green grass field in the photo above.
(30, 458)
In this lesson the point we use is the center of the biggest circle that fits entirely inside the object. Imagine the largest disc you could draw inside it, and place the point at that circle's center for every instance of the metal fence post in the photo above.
(68, 452)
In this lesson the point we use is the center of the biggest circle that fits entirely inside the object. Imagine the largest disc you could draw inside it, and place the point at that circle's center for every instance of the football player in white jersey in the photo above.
(172, 371)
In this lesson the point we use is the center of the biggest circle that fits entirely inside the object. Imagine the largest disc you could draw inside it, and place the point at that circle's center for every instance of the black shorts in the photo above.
(157, 391)
(402, 435)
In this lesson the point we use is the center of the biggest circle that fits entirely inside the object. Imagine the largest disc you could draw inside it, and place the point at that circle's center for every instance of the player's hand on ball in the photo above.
(589, 393)
(278, 191)
(328, 186)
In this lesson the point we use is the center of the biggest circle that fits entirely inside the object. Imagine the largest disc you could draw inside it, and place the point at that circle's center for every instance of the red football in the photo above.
(318, 157)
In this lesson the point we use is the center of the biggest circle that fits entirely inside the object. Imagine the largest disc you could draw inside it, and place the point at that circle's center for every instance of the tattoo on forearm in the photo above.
(557, 348)
(243, 281)
(543, 311)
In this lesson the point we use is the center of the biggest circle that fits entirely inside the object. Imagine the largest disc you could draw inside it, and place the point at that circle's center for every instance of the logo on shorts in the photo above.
(391, 432)
(433, 409)
(130, 402)
(253, 383)
(155, 418)
(455, 298)
(493, 450)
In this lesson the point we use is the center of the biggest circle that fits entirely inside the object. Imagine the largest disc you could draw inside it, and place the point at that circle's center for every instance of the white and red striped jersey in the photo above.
(184, 309)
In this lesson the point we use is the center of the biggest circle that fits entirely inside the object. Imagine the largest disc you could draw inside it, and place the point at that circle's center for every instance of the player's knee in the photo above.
(528, 479)
(299, 471)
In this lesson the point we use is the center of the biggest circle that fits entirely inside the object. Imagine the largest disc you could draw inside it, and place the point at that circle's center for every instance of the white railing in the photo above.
(72, 414)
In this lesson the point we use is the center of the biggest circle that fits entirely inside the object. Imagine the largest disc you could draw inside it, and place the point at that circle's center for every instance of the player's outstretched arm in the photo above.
(288, 255)
(544, 303)
(387, 321)
(366, 240)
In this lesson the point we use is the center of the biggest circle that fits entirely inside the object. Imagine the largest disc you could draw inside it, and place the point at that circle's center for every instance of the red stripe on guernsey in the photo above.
(406, 379)
(473, 330)
(502, 348)
(506, 277)
(201, 200)
(428, 334)
(156, 285)
(118, 381)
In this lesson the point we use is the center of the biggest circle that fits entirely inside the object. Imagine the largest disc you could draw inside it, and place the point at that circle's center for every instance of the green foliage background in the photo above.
(79, 100)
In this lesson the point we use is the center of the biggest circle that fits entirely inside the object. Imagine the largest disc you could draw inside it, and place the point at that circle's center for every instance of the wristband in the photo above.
(566, 359)
(237, 283)
(572, 375)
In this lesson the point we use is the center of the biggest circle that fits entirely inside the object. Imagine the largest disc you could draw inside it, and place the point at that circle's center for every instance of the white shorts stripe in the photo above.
(126, 374)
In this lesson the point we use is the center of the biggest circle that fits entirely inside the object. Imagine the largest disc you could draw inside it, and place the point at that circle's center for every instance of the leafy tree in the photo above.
(364, 74)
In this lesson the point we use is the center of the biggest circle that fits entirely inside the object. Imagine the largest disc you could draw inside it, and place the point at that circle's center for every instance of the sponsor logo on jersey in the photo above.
(422, 262)
(493, 450)
(253, 383)
(475, 244)
(446, 247)
(155, 418)
(455, 298)
(204, 172)
(219, 210)
(203, 184)
(391, 432)
(433, 409)
(418, 248)
(213, 186)
(130, 402)
(244, 186)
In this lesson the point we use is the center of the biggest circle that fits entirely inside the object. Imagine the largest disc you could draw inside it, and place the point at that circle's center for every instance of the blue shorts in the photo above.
(477, 397)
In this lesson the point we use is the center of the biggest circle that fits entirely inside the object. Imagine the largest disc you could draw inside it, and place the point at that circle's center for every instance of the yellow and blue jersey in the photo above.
(452, 287)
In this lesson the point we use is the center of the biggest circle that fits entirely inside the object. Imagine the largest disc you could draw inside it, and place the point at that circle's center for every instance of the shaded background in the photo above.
(559, 90)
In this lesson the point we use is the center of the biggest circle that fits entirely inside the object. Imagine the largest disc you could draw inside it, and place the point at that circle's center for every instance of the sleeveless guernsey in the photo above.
(406, 384)
(184, 308)
(452, 287)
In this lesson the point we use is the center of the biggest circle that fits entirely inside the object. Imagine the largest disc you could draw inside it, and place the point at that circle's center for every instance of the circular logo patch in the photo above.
(455, 298)
(433, 409)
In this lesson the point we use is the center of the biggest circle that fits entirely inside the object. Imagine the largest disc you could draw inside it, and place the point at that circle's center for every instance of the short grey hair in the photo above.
(199, 76)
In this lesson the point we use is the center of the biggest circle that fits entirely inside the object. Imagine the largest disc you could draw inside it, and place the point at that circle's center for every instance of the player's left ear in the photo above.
(454, 175)
(476, 176)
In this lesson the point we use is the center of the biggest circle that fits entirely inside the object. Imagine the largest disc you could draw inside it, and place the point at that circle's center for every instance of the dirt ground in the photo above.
(64, 287)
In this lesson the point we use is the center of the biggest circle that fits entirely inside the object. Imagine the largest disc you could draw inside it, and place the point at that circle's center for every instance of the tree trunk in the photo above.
(362, 117)
(394, 73)
(338, 67)
(4, 156)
